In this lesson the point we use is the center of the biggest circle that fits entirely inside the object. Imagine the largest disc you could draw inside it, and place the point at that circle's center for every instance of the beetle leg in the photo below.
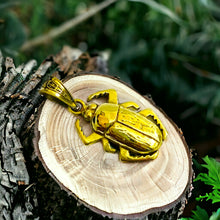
(149, 112)
(132, 105)
(92, 138)
(112, 96)
(107, 147)
(124, 155)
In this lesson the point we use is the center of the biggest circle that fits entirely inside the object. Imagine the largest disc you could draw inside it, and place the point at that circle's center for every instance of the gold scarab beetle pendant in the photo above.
(139, 135)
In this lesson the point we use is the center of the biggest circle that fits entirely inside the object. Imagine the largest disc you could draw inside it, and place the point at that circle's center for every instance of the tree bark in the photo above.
(157, 189)
(19, 98)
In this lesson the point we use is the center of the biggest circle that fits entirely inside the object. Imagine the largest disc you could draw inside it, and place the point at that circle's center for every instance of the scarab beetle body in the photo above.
(127, 128)
(139, 135)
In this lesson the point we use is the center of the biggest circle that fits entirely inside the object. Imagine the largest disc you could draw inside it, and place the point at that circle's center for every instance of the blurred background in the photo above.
(167, 49)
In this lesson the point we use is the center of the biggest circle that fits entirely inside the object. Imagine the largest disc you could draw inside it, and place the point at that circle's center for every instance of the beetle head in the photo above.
(90, 111)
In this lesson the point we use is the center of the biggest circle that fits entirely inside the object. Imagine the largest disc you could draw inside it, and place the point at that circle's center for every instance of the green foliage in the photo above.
(201, 214)
(198, 214)
(216, 215)
(212, 179)
(161, 9)
(12, 31)
(38, 22)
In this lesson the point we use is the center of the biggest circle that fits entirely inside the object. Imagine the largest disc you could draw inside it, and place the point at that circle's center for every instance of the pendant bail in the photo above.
(54, 90)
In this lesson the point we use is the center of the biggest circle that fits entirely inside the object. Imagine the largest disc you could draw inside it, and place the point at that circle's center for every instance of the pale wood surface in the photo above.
(98, 178)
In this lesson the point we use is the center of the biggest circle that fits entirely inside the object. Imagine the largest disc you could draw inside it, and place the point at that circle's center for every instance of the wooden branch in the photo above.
(56, 32)
(98, 179)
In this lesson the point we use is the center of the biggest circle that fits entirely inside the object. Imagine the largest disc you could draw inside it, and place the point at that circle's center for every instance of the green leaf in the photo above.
(212, 179)
(210, 5)
(162, 9)
(13, 34)
(214, 168)
(214, 196)
(215, 215)
(199, 214)
(213, 176)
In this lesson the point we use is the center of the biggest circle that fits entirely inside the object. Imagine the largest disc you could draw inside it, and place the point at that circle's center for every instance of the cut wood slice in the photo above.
(98, 178)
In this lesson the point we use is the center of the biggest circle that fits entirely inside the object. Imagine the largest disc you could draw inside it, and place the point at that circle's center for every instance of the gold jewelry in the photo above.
(54, 90)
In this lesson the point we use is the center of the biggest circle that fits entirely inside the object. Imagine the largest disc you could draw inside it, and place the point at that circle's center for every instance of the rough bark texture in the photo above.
(26, 190)
(18, 101)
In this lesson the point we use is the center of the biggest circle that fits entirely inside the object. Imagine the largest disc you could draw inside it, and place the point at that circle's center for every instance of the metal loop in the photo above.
(54, 90)
(80, 107)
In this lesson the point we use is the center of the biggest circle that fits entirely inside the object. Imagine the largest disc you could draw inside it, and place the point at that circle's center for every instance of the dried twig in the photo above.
(202, 73)
(56, 32)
